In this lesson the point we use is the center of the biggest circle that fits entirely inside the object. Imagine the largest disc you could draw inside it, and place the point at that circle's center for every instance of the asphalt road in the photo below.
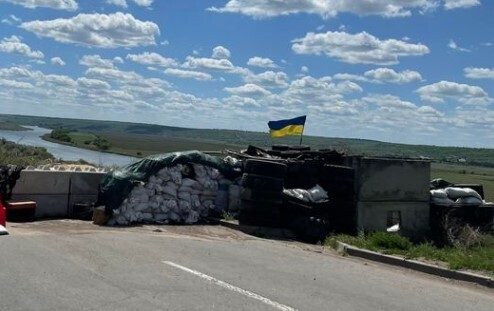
(65, 265)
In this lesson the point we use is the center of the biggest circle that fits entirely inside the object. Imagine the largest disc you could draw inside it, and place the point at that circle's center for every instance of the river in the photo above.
(64, 152)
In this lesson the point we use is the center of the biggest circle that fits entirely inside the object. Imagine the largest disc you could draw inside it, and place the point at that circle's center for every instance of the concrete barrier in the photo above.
(56, 192)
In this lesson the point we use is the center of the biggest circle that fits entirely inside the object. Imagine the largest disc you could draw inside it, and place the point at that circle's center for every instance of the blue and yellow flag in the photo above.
(282, 128)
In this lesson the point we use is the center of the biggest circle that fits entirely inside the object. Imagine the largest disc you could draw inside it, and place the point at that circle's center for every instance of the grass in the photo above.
(479, 257)
(9, 126)
(16, 154)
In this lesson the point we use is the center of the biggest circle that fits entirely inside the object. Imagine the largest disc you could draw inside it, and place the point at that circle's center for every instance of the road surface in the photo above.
(73, 265)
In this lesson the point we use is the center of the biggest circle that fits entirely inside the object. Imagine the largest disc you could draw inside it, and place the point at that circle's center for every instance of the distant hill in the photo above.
(219, 137)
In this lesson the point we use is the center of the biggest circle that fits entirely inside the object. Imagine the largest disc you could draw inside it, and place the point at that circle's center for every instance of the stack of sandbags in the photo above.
(450, 195)
(173, 195)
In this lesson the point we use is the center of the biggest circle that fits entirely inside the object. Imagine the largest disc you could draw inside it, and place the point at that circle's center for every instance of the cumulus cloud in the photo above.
(190, 74)
(153, 59)
(327, 8)
(268, 79)
(390, 76)
(460, 4)
(121, 3)
(95, 61)
(452, 45)
(15, 45)
(445, 90)
(248, 89)
(97, 30)
(221, 52)
(479, 73)
(213, 64)
(350, 77)
(360, 48)
(145, 3)
(304, 69)
(93, 84)
(261, 62)
(69, 5)
(57, 61)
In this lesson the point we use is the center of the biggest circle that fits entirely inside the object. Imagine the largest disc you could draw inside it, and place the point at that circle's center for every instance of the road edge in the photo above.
(346, 249)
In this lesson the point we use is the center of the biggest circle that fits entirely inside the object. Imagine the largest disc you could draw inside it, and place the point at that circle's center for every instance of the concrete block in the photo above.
(383, 179)
(414, 217)
(85, 183)
(48, 205)
(42, 182)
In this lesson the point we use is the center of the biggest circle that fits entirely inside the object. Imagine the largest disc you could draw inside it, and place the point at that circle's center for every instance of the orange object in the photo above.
(21, 211)
(3, 215)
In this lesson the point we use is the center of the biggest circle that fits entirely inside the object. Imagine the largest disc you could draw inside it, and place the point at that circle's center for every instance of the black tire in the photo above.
(280, 147)
(261, 195)
(299, 147)
(259, 214)
(265, 168)
(262, 183)
(290, 154)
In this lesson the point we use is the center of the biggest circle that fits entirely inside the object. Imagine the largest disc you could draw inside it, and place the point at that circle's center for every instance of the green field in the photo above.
(9, 126)
(466, 174)
(12, 153)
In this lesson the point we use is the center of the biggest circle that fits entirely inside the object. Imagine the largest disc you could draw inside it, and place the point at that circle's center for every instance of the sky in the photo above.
(409, 71)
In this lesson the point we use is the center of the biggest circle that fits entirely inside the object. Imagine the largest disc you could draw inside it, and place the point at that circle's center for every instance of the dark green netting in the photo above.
(116, 185)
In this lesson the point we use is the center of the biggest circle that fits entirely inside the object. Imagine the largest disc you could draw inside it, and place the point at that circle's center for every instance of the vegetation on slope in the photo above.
(12, 153)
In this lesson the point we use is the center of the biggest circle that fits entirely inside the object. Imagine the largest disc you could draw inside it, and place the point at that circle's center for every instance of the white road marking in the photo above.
(233, 288)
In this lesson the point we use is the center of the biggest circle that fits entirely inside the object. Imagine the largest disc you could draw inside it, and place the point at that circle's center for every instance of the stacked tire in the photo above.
(262, 193)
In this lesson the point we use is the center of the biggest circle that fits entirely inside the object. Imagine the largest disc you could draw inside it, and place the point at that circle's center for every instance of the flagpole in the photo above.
(302, 134)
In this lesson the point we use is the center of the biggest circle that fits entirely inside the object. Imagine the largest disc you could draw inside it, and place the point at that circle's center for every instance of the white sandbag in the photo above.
(140, 207)
(170, 188)
(192, 218)
(439, 193)
(189, 190)
(455, 193)
(213, 173)
(318, 194)
(199, 171)
(157, 198)
(474, 201)
(190, 183)
(185, 196)
(300, 194)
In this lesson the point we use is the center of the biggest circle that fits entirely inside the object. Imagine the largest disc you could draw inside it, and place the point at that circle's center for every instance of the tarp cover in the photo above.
(116, 185)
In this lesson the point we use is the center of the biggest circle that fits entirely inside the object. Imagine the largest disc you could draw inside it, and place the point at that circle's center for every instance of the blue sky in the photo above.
(415, 71)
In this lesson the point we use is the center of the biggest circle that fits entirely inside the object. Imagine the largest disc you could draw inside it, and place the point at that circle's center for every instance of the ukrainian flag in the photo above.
(282, 128)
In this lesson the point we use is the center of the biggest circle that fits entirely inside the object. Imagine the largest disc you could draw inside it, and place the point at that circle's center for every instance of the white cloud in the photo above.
(15, 45)
(15, 84)
(261, 62)
(479, 73)
(93, 84)
(145, 3)
(221, 52)
(248, 89)
(444, 90)
(304, 69)
(95, 61)
(69, 5)
(452, 45)
(97, 30)
(11, 20)
(197, 75)
(350, 77)
(390, 76)
(57, 61)
(268, 79)
(360, 48)
(148, 58)
(459, 4)
(213, 64)
(121, 3)
(118, 60)
(325, 8)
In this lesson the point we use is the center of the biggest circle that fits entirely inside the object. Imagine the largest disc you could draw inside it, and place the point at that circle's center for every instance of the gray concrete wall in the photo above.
(373, 216)
(56, 192)
(383, 179)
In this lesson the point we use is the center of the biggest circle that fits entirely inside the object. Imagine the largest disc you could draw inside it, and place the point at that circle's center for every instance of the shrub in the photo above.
(386, 240)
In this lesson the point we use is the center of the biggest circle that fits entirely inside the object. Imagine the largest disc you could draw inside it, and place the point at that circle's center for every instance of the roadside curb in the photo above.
(255, 230)
(344, 248)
